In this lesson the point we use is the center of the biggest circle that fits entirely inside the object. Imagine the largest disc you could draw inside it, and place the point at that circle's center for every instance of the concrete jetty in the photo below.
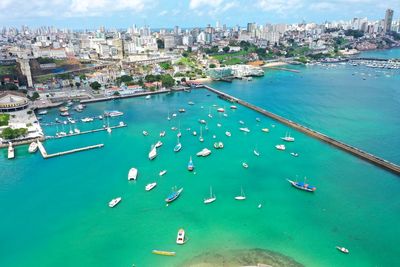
(89, 131)
(46, 156)
(281, 68)
(320, 136)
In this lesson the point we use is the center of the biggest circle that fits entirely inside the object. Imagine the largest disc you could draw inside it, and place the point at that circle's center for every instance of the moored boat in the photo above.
(158, 144)
(211, 199)
(162, 134)
(113, 113)
(302, 185)
(178, 146)
(33, 147)
(153, 153)
(114, 202)
(245, 129)
(190, 165)
(132, 174)
(204, 152)
(174, 195)
(87, 119)
(242, 196)
(10, 154)
(180, 239)
(294, 154)
(265, 130)
(245, 165)
(145, 133)
(228, 134)
(150, 186)
(280, 147)
(288, 138)
(221, 110)
(43, 112)
(233, 107)
(342, 249)
(162, 172)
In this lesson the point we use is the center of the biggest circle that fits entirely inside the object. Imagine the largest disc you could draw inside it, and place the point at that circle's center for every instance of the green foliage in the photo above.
(124, 79)
(78, 84)
(8, 70)
(116, 94)
(45, 60)
(95, 85)
(212, 50)
(9, 86)
(212, 66)
(165, 65)
(152, 78)
(34, 96)
(354, 33)
(9, 133)
(4, 118)
(82, 77)
(185, 54)
(302, 59)
(226, 49)
(167, 80)
(64, 76)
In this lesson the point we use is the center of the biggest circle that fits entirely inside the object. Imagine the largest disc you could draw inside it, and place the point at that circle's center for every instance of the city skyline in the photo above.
(122, 13)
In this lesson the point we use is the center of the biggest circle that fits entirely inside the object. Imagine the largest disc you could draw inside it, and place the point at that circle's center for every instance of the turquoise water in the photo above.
(390, 53)
(55, 211)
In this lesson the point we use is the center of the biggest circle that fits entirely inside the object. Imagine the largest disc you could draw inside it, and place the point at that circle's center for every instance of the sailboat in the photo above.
(108, 126)
(211, 199)
(209, 113)
(168, 118)
(242, 195)
(201, 139)
(178, 146)
(288, 138)
(179, 134)
(255, 151)
(190, 165)
(302, 185)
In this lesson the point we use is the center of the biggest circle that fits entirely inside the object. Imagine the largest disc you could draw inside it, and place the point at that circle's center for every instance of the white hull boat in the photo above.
(132, 175)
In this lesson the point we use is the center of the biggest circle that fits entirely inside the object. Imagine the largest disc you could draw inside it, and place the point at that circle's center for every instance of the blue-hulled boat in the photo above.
(303, 186)
(174, 195)
(190, 165)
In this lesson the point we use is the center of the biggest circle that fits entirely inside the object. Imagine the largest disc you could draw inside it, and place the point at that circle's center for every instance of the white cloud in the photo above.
(279, 6)
(194, 4)
(163, 13)
(322, 6)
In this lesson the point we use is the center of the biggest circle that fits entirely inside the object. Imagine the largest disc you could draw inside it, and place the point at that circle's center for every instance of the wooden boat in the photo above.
(163, 253)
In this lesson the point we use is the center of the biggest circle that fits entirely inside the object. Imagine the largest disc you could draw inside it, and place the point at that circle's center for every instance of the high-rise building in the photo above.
(388, 20)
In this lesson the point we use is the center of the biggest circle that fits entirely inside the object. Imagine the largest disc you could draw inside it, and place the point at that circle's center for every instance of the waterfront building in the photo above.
(12, 101)
(388, 20)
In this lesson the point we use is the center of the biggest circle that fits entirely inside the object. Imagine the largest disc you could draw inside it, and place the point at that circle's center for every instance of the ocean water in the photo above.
(55, 212)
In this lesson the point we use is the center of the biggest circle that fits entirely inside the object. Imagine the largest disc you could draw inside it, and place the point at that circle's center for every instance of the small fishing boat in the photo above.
(158, 144)
(245, 129)
(162, 134)
(288, 138)
(211, 199)
(132, 174)
(242, 196)
(302, 185)
(145, 133)
(280, 147)
(228, 134)
(294, 154)
(114, 202)
(153, 153)
(33, 147)
(150, 186)
(174, 195)
(164, 253)
(204, 152)
(190, 166)
(180, 239)
(245, 165)
(265, 130)
(342, 249)
(162, 172)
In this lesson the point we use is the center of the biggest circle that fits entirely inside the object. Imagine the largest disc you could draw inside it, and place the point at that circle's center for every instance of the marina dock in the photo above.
(387, 165)
(46, 156)
(89, 131)
(285, 69)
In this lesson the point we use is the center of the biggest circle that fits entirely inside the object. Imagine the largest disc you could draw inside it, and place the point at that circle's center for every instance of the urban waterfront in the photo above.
(57, 213)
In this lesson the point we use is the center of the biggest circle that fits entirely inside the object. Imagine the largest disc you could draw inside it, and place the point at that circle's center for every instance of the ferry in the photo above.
(162, 172)
(114, 202)
(164, 253)
(302, 186)
(174, 195)
(342, 249)
(132, 175)
(204, 152)
(280, 147)
(153, 153)
(113, 113)
(190, 165)
(150, 186)
(33, 147)
(180, 239)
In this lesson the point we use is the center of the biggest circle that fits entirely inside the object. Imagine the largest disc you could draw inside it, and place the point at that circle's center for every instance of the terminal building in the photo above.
(12, 101)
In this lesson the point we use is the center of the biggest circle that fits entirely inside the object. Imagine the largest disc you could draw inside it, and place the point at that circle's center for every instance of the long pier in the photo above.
(320, 136)
(46, 156)
(281, 68)
(90, 131)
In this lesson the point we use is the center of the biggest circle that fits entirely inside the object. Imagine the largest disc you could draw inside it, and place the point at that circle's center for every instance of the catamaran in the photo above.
(114, 202)
(242, 195)
(190, 165)
(33, 147)
(302, 185)
(153, 153)
(211, 199)
(178, 146)
(150, 186)
(174, 195)
(132, 174)
(288, 138)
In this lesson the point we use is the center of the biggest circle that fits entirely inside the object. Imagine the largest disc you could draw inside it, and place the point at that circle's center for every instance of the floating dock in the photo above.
(46, 156)
(89, 131)
(320, 136)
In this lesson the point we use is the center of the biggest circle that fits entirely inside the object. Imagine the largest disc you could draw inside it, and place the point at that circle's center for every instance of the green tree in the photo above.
(167, 80)
(78, 84)
(212, 66)
(226, 49)
(166, 65)
(116, 94)
(185, 54)
(9, 86)
(9, 133)
(82, 77)
(95, 85)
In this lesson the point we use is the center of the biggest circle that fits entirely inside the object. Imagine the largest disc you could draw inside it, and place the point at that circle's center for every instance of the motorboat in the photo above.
(280, 147)
(77, 131)
(87, 119)
(158, 144)
(233, 107)
(302, 185)
(64, 114)
(202, 121)
(204, 152)
(225, 115)
(173, 128)
(100, 117)
(150, 186)
(162, 172)
(256, 152)
(174, 115)
(33, 147)
(70, 120)
(245, 129)
(241, 122)
(242, 196)
(114, 202)
(63, 109)
(265, 130)
(220, 110)
(11, 154)
(288, 138)
(182, 110)
(148, 96)
(109, 130)
(132, 175)
(179, 134)
(174, 195)
(191, 103)
(153, 153)
(180, 239)
(245, 165)
(219, 125)
(162, 134)
(145, 133)
(342, 249)
(258, 120)
(294, 154)
(201, 139)
(113, 113)
(43, 112)
(218, 145)
(190, 166)
(228, 134)
(211, 199)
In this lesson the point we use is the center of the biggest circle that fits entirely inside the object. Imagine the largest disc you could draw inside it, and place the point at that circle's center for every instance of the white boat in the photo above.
(242, 195)
(153, 153)
(342, 249)
(77, 131)
(158, 144)
(259, 206)
(179, 134)
(209, 113)
(11, 154)
(173, 128)
(288, 138)
(62, 134)
(204, 152)
(265, 130)
(245, 129)
(114, 202)
(87, 119)
(228, 133)
(280, 147)
(181, 110)
(233, 107)
(174, 115)
(145, 133)
(258, 120)
(109, 130)
(33, 147)
(219, 125)
(256, 152)
(220, 110)
(178, 146)
(150, 186)
(241, 122)
(294, 154)
(202, 121)
(211, 199)
(225, 115)
(113, 113)
(70, 120)
(180, 239)
(245, 165)
(148, 96)
(162, 134)
(132, 175)
(43, 112)
(201, 139)
(162, 172)
(191, 103)
(194, 133)
(168, 118)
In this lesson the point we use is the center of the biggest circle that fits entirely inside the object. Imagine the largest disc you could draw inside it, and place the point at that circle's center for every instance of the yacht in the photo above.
(114, 202)
(288, 138)
(11, 154)
(228, 134)
(150, 186)
(242, 195)
(180, 239)
(153, 153)
(204, 152)
(233, 107)
(158, 144)
(190, 165)
(280, 147)
(246, 130)
(113, 113)
(174, 195)
(162, 172)
(211, 199)
(33, 147)
(132, 175)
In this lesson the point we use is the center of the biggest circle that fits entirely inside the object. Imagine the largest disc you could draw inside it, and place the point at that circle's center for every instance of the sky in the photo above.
(90, 14)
